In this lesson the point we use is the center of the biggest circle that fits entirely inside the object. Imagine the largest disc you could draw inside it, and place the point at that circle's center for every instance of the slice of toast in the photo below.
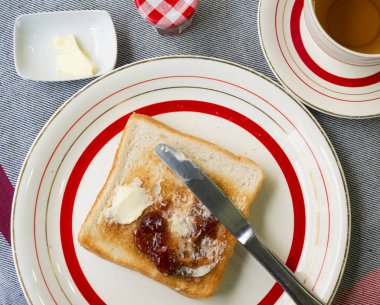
(210, 249)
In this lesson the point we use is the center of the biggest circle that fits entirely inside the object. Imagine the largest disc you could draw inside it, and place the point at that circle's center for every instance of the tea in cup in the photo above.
(348, 30)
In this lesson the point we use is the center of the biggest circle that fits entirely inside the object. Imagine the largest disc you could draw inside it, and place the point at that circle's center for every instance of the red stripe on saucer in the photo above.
(295, 29)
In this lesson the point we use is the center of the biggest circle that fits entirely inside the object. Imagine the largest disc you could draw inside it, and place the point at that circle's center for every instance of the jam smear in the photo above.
(205, 226)
(152, 238)
(153, 235)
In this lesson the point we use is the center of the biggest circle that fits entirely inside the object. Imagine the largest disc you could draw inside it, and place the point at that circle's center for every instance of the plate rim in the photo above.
(197, 57)
(291, 92)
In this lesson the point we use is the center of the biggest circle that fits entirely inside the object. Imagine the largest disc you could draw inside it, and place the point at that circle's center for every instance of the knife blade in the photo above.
(207, 192)
(205, 189)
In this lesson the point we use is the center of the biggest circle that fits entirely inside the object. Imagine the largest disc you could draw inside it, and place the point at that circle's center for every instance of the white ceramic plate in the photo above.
(35, 58)
(302, 212)
(312, 76)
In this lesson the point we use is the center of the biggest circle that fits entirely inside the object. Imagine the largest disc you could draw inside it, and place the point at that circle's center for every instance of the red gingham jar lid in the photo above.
(167, 14)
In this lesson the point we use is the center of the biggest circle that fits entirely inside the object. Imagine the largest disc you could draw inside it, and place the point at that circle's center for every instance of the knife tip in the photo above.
(165, 149)
(161, 147)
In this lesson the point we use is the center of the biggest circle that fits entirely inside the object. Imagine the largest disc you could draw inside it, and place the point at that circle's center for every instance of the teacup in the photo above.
(347, 30)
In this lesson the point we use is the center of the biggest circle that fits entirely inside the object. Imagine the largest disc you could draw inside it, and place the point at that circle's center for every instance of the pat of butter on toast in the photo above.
(199, 245)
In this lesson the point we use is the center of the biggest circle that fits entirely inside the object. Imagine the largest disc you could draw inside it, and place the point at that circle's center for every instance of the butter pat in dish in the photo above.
(71, 59)
(36, 58)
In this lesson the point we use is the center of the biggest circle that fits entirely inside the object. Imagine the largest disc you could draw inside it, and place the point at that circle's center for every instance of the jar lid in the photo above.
(166, 14)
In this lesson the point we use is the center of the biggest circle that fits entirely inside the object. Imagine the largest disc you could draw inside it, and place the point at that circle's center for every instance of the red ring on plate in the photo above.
(166, 107)
(295, 29)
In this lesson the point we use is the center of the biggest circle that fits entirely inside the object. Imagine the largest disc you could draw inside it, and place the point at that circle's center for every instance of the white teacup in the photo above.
(330, 46)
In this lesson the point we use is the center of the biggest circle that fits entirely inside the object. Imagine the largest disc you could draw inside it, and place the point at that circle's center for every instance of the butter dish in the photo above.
(34, 55)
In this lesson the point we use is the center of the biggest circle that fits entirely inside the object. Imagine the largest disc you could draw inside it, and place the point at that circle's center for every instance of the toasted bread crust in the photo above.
(105, 239)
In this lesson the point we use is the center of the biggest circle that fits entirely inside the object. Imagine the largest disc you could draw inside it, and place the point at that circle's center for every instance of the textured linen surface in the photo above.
(224, 29)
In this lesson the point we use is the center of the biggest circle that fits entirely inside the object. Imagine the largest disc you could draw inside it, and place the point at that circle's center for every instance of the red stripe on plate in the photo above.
(295, 29)
(166, 107)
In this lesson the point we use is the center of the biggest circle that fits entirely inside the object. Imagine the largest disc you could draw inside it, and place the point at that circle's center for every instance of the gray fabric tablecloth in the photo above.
(224, 29)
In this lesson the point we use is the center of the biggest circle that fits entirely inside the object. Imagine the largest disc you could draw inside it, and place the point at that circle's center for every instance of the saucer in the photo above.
(311, 75)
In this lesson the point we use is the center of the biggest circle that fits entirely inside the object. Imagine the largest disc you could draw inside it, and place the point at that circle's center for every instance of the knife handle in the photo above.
(296, 290)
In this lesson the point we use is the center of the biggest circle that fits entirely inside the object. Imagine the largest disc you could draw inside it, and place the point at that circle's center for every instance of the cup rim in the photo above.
(335, 43)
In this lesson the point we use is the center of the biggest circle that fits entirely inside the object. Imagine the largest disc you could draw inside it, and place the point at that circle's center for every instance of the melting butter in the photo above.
(199, 271)
(128, 203)
(71, 60)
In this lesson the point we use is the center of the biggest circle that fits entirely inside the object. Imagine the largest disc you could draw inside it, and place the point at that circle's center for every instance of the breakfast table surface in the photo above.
(222, 29)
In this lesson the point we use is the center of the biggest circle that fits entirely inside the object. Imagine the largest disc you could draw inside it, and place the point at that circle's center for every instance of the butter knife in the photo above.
(223, 209)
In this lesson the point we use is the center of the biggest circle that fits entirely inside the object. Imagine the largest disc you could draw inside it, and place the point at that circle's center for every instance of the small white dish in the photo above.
(311, 75)
(35, 58)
